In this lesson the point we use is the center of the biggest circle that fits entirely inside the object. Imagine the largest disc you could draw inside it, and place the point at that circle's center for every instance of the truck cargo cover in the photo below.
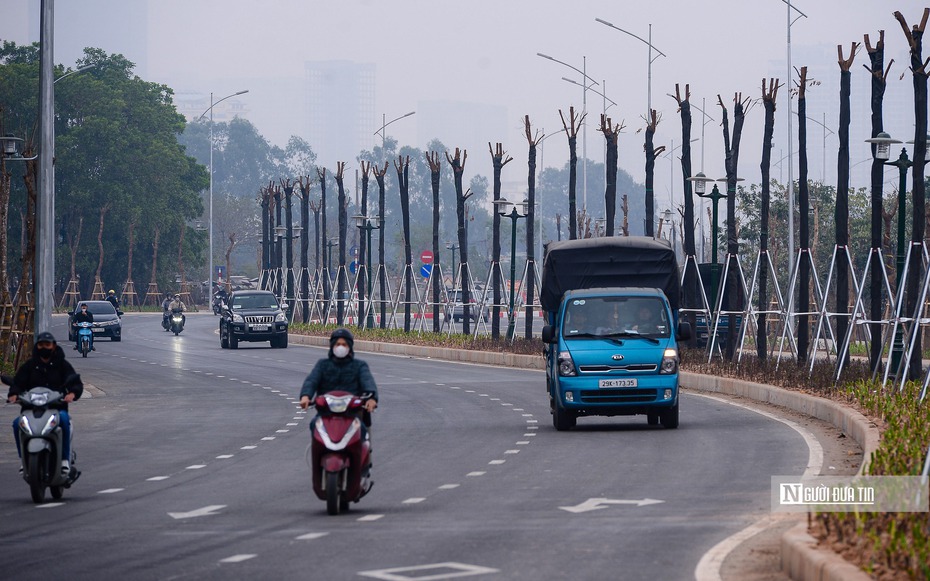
(621, 261)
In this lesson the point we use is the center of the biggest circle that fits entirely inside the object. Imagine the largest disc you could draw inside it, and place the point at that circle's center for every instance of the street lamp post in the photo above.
(210, 111)
(883, 143)
(385, 124)
(584, 128)
(453, 247)
(330, 242)
(650, 60)
(509, 210)
(363, 223)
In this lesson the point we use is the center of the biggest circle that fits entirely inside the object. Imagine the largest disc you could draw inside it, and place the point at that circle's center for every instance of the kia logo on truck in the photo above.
(617, 357)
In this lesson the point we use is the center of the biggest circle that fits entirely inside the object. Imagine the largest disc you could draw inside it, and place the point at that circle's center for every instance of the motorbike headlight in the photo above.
(280, 318)
(50, 425)
(669, 362)
(24, 425)
(237, 318)
(566, 364)
(338, 404)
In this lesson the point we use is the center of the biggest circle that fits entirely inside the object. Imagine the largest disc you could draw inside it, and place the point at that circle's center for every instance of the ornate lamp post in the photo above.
(453, 247)
(363, 223)
(509, 210)
(700, 188)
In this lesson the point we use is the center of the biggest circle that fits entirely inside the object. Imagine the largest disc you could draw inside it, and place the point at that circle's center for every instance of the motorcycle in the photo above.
(218, 303)
(340, 451)
(40, 439)
(85, 337)
(176, 321)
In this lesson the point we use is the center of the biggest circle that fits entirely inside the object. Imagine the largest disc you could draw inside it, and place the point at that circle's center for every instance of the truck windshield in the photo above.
(616, 317)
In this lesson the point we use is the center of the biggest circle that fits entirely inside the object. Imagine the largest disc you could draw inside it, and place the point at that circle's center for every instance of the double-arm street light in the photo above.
(650, 61)
(363, 223)
(509, 210)
(210, 111)
(584, 109)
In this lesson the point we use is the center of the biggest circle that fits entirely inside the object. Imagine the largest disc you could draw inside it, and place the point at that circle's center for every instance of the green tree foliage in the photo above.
(116, 144)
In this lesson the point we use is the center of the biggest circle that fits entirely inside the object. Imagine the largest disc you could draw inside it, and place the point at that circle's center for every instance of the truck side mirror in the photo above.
(548, 334)
(684, 331)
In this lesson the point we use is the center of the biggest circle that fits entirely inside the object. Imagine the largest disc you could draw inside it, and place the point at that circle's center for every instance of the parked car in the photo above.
(107, 321)
(455, 307)
(253, 315)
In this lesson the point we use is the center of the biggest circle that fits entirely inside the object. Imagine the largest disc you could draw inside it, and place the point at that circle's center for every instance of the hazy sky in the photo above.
(485, 51)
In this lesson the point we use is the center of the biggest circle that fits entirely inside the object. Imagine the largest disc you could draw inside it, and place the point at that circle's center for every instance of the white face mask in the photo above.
(340, 351)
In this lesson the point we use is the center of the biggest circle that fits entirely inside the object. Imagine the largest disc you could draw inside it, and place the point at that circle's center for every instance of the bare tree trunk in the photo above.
(321, 173)
(769, 97)
(532, 141)
(458, 167)
(74, 240)
(690, 290)
(402, 166)
(229, 249)
(305, 205)
(341, 280)
(572, 133)
(132, 241)
(651, 153)
(5, 185)
(103, 213)
(435, 166)
(155, 254)
(379, 172)
(841, 213)
(498, 162)
(611, 133)
(804, 270)
(363, 252)
(732, 164)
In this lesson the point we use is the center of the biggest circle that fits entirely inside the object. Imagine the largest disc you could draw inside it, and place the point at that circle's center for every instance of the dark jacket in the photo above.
(333, 374)
(113, 301)
(38, 373)
(81, 317)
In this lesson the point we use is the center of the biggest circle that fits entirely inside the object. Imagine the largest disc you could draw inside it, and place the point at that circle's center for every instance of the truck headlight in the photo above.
(280, 318)
(566, 365)
(669, 362)
(237, 318)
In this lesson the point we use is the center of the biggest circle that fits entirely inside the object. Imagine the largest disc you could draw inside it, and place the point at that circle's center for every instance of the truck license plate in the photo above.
(260, 327)
(617, 383)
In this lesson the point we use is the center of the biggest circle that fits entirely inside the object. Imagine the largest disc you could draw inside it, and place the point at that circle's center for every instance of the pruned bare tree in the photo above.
(769, 99)
(379, 173)
(571, 130)
(841, 210)
(435, 168)
(652, 152)
(532, 141)
(402, 166)
(611, 133)
(498, 162)
(341, 279)
(457, 162)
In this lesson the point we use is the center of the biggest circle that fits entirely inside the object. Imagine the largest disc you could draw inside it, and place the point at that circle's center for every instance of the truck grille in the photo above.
(266, 319)
(618, 395)
(634, 367)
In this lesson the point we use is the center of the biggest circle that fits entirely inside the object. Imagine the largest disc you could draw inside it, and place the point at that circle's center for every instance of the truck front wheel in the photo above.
(563, 419)
(669, 418)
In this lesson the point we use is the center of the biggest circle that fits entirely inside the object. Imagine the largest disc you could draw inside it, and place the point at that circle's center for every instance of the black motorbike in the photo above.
(176, 321)
(219, 301)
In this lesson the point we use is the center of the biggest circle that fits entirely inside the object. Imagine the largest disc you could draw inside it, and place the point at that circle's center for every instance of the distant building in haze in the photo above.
(340, 109)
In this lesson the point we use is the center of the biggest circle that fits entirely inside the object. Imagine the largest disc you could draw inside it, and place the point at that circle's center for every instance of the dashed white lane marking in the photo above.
(311, 536)
(532, 421)
(248, 447)
(529, 434)
(469, 391)
(496, 462)
(224, 456)
(413, 500)
(196, 466)
(527, 415)
(522, 442)
(268, 438)
(448, 486)
(512, 452)
(495, 399)
(483, 395)
(238, 558)
(477, 473)
(505, 403)
(110, 490)
(281, 431)
(532, 427)
(293, 423)
(157, 478)
(518, 409)
(50, 505)
(370, 517)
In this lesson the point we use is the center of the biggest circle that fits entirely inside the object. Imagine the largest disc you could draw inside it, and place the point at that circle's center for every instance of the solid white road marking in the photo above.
(237, 558)
(599, 503)
(205, 511)
(110, 490)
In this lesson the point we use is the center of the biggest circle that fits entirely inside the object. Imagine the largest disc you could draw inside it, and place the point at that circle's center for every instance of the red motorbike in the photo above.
(340, 451)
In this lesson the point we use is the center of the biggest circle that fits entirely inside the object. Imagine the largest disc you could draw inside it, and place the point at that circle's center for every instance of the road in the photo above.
(193, 468)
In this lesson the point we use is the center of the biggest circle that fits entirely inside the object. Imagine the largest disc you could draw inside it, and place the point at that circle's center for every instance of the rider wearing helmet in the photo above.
(177, 305)
(82, 316)
(111, 298)
(48, 368)
(340, 371)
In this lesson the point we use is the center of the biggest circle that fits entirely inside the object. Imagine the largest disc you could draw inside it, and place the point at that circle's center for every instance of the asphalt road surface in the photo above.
(193, 463)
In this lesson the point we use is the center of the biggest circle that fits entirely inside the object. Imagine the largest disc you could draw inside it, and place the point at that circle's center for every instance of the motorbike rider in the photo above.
(83, 316)
(111, 298)
(177, 305)
(48, 368)
(220, 294)
(165, 310)
(340, 371)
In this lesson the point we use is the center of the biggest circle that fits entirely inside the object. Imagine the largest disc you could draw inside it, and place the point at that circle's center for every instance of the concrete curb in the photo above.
(801, 558)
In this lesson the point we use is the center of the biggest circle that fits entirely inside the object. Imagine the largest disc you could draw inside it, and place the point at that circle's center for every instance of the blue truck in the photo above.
(612, 334)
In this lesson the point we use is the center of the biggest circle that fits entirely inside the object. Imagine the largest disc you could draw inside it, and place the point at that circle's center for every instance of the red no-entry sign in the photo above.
(427, 257)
